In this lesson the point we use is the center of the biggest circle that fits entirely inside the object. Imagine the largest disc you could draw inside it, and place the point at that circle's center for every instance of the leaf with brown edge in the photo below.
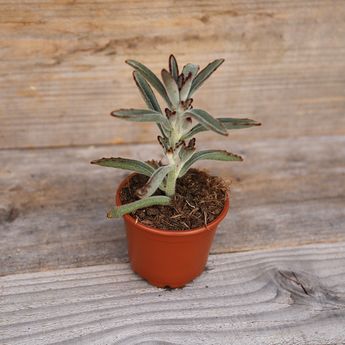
(141, 115)
(146, 91)
(190, 68)
(154, 181)
(184, 91)
(189, 72)
(204, 74)
(218, 155)
(148, 96)
(150, 77)
(126, 164)
(227, 122)
(207, 120)
(173, 67)
(171, 87)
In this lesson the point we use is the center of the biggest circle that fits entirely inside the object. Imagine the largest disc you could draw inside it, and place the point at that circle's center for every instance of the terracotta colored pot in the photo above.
(167, 258)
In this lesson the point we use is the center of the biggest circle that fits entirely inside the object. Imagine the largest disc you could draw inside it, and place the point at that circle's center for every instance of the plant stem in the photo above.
(174, 158)
(171, 183)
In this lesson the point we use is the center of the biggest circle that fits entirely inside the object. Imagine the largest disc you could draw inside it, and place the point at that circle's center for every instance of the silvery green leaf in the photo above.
(173, 67)
(141, 115)
(180, 80)
(171, 87)
(126, 164)
(185, 153)
(148, 96)
(218, 155)
(150, 77)
(190, 68)
(186, 124)
(184, 92)
(117, 212)
(146, 92)
(204, 74)
(154, 164)
(227, 122)
(155, 180)
(164, 142)
(189, 71)
(207, 120)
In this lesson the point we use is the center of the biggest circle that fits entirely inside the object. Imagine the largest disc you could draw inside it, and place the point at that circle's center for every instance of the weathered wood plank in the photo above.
(62, 69)
(53, 203)
(290, 296)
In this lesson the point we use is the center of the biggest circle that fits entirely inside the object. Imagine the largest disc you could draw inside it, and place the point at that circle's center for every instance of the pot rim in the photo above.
(167, 232)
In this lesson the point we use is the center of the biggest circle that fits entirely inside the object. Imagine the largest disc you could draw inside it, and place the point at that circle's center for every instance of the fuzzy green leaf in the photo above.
(189, 71)
(126, 164)
(218, 155)
(141, 115)
(117, 212)
(148, 96)
(204, 75)
(146, 92)
(207, 120)
(186, 153)
(190, 68)
(171, 87)
(150, 77)
(227, 122)
(173, 67)
(154, 182)
(184, 92)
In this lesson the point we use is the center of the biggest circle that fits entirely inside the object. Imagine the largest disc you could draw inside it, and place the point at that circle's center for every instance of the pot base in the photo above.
(168, 284)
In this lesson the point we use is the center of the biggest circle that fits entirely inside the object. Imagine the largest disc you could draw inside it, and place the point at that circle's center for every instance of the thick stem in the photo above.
(171, 183)
(174, 158)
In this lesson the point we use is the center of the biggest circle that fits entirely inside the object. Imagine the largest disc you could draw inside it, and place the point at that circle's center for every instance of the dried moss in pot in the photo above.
(199, 199)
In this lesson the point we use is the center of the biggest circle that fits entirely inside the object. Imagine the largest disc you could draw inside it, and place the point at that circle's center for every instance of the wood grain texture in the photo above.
(291, 296)
(62, 65)
(53, 203)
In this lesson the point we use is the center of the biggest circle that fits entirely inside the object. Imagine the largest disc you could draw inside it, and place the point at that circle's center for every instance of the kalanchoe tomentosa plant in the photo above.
(176, 130)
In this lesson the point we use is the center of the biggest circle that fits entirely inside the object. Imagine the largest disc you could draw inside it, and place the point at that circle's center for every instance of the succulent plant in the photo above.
(176, 128)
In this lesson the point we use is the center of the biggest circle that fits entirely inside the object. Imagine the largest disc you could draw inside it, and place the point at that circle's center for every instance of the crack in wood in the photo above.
(293, 277)
(306, 289)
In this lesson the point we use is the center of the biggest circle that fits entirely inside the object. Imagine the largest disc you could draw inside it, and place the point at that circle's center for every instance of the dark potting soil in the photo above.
(199, 199)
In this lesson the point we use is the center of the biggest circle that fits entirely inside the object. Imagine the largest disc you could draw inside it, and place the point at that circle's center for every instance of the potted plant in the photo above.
(171, 211)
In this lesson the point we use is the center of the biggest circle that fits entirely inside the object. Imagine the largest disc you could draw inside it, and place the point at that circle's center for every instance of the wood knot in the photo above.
(294, 282)
(305, 288)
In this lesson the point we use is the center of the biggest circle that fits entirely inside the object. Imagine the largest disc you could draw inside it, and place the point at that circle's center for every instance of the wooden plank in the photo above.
(62, 65)
(53, 203)
(290, 296)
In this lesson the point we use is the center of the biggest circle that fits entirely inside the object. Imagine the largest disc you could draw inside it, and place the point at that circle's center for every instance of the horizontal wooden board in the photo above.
(53, 203)
(62, 65)
(281, 297)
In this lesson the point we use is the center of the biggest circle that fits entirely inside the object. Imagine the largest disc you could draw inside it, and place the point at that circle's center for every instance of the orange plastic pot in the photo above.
(167, 258)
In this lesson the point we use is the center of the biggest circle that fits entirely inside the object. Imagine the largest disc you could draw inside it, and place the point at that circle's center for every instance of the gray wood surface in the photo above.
(287, 297)
(53, 203)
(277, 270)
(62, 65)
